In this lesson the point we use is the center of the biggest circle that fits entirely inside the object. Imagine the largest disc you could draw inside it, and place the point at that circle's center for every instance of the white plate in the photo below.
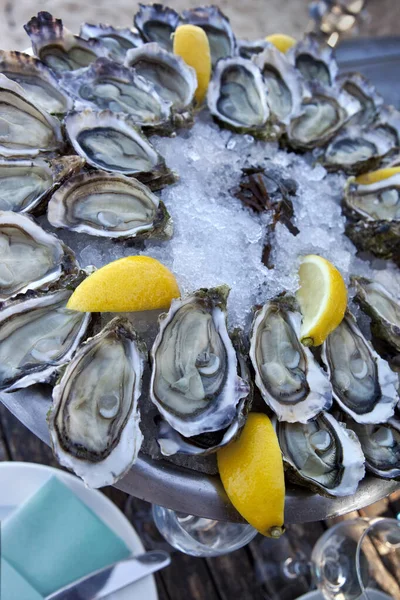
(20, 480)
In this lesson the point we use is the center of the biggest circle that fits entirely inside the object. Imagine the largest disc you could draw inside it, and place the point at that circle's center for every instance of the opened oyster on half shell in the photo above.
(94, 421)
(195, 383)
(25, 185)
(322, 454)
(363, 384)
(314, 60)
(381, 447)
(156, 23)
(118, 40)
(38, 335)
(289, 378)
(358, 91)
(31, 258)
(109, 205)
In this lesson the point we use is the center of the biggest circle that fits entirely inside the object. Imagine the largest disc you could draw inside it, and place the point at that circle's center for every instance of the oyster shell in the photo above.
(356, 150)
(283, 82)
(363, 384)
(37, 336)
(40, 84)
(321, 116)
(381, 447)
(26, 130)
(287, 375)
(156, 23)
(237, 97)
(314, 60)
(248, 49)
(172, 78)
(194, 380)
(322, 454)
(109, 85)
(217, 27)
(358, 91)
(57, 47)
(109, 205)
(112, 141)
(117, 39)
(382, 307)
(94, 421)
(31, 258)
(25, 185)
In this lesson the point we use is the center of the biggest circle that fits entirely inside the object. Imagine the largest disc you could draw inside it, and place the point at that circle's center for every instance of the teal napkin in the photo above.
(54, 539)
(13, 586)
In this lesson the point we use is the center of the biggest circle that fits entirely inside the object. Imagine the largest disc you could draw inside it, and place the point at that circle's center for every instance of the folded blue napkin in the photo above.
(54, 539)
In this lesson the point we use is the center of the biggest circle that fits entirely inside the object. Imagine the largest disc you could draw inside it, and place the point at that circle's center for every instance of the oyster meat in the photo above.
(382, 307)
(217, 28)
(171, 77)
(381, 447)
(25, 185)
(117, 39)
(57, 47)
(287, 375)
(363, 384)
(37, 336)
(31, 258)
(237, 96)
(322, 454)
(156, 23)
(113, 142)
(94, 421)
(109, 85)
(314, 60)
(38, 81)
(109, 205)
(25, 129)
(194, 382)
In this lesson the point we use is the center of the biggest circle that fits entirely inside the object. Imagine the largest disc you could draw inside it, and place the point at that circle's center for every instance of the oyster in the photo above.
(117, 39)
(156, 23)
(373, 211)
(237, 97)
(358, 91)
(171, 442)
(25, 185)
(363, 384)
(321, 116)
(322, 454)
(38, 81)
(172, 78)
(112, 141)
(109, 205)
(314, 60)
(57, 47)
(217, 27)
(382, 307)
(94, 421)
(287, 375)
(31, 258)
(37, 336)
(284, 84)
(381, 447)
(248, 49)
(25, 129)
(109, 85)
(355, 150)
(194, 380)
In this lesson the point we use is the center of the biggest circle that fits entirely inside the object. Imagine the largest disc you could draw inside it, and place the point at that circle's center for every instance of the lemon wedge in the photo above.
(126, 285)
(251, 471)
(281, 41)
(191, 43)
(322, 297)
(375, 176)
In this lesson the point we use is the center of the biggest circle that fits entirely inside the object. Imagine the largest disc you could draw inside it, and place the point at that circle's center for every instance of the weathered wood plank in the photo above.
(394, 501)
(4, 454)
(233, 575)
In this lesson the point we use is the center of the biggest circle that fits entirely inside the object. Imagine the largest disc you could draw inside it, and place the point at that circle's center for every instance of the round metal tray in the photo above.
(188, 491)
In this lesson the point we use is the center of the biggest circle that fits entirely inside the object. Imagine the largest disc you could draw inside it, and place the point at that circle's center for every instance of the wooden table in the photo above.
(252, 573)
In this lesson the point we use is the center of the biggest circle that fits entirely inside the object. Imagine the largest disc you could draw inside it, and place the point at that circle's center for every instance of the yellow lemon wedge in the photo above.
(322, 297)
(126, 285)
(281, 41)
(251, 471)
(376, 176)
(191, 43)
